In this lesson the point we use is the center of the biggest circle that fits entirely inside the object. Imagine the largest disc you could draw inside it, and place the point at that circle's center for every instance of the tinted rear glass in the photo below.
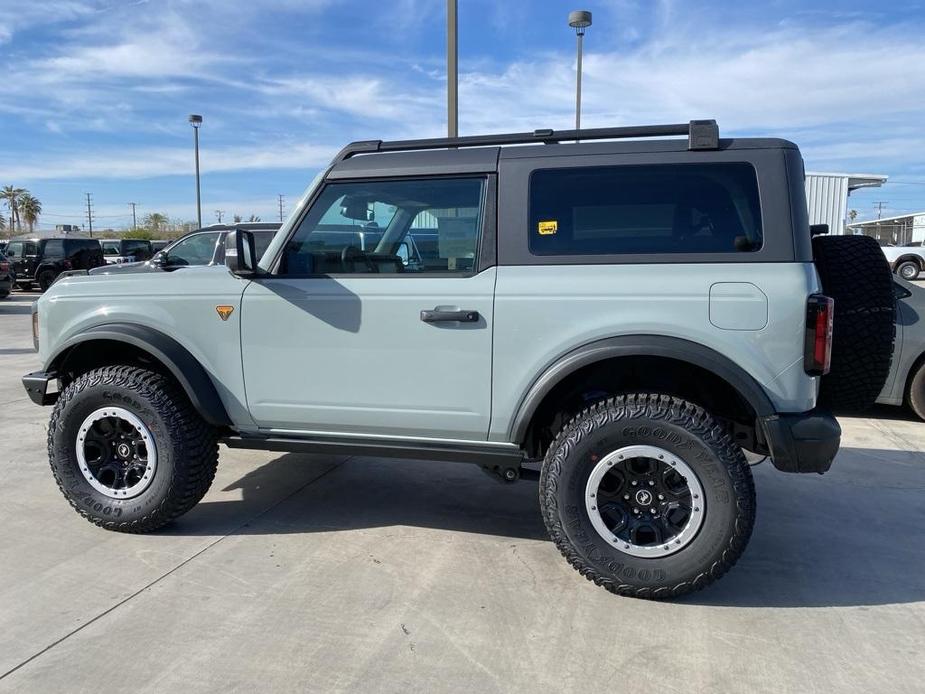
(689, 208)
(54, 248)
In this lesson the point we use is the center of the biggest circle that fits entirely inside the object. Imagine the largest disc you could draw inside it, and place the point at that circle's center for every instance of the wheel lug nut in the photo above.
(634, 483)
(651, 483)
(651, 510)
(661, 497)
(626, 497)
(635, 510)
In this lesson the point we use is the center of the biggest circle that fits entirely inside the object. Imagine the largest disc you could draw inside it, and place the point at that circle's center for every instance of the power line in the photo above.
(134, 222)
(219, 214)
(879, 205)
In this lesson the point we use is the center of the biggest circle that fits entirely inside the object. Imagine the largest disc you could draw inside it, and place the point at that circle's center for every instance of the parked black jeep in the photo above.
(40, 261)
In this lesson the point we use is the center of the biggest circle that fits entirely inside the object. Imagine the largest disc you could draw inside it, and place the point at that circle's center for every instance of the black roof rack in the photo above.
(701, 134)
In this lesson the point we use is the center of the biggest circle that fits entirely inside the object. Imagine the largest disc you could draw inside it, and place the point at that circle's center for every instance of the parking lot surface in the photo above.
(332, 574)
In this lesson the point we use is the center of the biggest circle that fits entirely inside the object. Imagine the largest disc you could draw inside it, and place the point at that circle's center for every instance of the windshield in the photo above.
(14, 250)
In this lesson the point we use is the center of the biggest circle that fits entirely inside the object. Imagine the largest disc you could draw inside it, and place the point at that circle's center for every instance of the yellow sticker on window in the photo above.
(548, 228)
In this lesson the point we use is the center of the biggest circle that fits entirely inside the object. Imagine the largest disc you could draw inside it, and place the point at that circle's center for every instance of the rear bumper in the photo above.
(804, 442)
(36, 385)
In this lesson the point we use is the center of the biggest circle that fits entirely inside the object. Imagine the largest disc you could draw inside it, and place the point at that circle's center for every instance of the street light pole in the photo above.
(579, 20)
(452, 71)
(196, 122)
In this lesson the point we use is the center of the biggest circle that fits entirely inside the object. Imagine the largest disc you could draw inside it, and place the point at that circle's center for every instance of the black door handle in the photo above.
(437, 316)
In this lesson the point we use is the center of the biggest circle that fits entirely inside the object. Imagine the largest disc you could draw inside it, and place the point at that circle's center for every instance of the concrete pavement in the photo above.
(331, 574)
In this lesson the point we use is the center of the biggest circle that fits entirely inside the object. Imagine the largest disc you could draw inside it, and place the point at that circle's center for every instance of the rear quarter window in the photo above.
(653, 209)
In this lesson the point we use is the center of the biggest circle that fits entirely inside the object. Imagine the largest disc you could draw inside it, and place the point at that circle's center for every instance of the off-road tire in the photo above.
(24, 286)
(855, 273)
(908, 270)
(187, 448)
(681, 428)
(45, 279)
(4, 293)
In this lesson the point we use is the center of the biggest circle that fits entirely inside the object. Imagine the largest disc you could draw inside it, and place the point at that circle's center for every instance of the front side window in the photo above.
(658, 209)
(363, 228)
(111, 248)
(198, 249)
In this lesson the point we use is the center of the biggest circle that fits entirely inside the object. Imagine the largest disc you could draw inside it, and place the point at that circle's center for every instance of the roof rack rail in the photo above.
(701, 134)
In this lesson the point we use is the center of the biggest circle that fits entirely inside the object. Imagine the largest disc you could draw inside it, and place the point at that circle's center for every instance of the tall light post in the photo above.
(452, 71)
(579, 20)
(196, 122)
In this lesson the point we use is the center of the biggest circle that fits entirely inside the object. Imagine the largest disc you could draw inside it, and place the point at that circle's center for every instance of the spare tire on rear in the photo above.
(855, 273)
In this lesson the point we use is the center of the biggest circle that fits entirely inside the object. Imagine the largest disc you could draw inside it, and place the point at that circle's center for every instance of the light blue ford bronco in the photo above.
(627, 309)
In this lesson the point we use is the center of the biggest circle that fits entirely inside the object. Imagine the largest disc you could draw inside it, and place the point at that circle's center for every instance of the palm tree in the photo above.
(154, 221)
(2, 223)
(10, 196)
(30, 207)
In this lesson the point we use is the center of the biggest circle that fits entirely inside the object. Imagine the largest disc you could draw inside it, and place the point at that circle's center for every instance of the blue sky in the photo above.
(96, 93)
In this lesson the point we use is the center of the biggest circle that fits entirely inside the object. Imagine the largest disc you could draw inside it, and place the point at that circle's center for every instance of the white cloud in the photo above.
(149, 162)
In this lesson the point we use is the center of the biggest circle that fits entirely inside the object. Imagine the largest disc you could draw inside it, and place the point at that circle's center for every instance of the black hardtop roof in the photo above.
(481, 153)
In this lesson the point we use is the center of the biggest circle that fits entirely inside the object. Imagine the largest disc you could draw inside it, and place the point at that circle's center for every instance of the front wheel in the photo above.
(908, 270)
(128, 450)
(647, 496)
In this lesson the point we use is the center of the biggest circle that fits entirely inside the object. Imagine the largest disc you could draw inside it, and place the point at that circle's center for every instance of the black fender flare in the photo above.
(639, 346)
(184, 367)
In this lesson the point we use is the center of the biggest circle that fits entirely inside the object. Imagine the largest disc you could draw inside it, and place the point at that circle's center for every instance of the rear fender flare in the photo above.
(636, 346)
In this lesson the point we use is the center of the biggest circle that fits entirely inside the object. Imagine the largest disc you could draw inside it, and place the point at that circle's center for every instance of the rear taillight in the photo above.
(67, 265)
(4, 266)
(817, 346)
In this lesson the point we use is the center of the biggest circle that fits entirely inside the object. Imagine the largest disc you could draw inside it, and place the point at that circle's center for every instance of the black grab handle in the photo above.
(436, 316)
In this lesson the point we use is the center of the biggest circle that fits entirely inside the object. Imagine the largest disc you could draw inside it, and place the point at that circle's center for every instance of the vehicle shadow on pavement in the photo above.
(372, 493)
(853, 537)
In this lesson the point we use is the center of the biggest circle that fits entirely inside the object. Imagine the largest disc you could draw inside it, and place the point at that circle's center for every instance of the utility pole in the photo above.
(281, 196)
(219, 214)
(134, 223)
(879, 205)
(452, 71)
(89, 215)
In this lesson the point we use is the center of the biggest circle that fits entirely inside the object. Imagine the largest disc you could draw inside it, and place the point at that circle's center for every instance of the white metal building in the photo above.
(901, 230)
(827, 196)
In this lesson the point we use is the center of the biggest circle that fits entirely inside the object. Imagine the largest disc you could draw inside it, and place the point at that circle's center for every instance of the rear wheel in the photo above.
(128, 450)
(647, 496)
(25, 286)
(46, 278)
(908, 270)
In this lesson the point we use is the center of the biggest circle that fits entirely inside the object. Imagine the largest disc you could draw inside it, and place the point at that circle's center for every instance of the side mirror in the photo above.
(818, 229)
(159, 258)
(240, 253)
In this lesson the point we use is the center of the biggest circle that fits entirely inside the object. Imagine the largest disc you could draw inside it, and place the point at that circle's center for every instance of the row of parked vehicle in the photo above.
(34, 262)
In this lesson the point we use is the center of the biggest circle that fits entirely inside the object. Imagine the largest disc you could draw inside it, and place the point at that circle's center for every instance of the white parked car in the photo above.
(906, 261)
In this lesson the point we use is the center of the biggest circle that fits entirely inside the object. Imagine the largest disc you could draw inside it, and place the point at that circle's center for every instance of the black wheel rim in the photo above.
(645, 501)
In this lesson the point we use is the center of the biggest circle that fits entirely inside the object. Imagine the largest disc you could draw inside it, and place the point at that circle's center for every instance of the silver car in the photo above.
(906, 382)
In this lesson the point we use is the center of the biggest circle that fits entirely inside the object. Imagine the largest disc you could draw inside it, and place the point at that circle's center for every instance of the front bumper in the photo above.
(804, 442)
(36, 385)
